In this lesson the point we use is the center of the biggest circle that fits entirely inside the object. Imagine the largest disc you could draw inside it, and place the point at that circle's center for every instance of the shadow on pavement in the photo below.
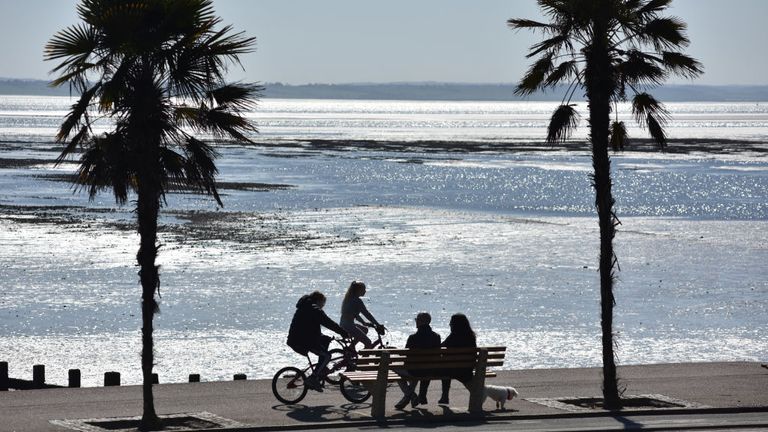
(324, 413)
(628, 424)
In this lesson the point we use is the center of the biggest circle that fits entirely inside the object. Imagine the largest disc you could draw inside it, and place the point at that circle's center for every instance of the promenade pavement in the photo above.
(729, 387)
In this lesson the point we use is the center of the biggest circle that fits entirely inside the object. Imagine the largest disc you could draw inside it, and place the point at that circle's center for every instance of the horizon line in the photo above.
(422, 83)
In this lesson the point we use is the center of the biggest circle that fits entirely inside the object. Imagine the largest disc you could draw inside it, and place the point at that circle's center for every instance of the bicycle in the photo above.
(356, 392)
(288, 383)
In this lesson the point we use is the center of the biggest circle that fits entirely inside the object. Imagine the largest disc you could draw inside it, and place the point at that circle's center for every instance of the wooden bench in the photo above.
(377, 367)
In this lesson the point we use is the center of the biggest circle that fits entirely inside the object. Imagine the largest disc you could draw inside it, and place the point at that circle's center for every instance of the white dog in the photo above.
(500, 394)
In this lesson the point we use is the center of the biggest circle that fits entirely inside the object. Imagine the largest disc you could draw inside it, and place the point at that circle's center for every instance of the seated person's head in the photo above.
(318, 299)
(423, 318)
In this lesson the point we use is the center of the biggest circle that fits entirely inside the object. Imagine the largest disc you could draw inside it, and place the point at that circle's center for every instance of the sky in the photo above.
(364, 41)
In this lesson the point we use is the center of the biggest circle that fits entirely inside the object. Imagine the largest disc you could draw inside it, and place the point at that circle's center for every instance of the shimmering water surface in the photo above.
(507, 237)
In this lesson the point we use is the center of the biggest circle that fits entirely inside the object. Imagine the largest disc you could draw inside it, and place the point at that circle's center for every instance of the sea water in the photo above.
(507, 237)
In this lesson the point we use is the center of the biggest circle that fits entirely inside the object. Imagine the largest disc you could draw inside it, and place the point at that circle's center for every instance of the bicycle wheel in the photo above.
(288, 385)
(354, 392)
(336, 365)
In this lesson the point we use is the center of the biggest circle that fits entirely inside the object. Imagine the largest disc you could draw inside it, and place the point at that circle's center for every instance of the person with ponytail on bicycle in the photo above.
(353, 308)
(305, 335)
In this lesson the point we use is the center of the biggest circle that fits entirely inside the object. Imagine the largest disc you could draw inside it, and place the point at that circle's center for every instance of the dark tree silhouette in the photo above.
(608, 48)
(156, 69)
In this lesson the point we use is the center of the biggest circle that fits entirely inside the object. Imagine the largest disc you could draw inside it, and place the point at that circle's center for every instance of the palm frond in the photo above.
(563, 71)
(656, 129)
(172, 165)
(535, 75)
(223, 123)
(239, 97)
(223, 44)
(553, 44)
(664, 33)
(653, 7)
(75, 77)
(199, 168)
(74, 44)
(681, 64)
(79, 139)
(643, 105)
(618, 135)
(520, 24)
(564, 121)
(639, 68)
(106, 164)
(76, 113)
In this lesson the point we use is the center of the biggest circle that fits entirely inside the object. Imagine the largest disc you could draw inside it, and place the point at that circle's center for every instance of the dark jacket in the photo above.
(423, 338)
(460, 341)
(305, 333)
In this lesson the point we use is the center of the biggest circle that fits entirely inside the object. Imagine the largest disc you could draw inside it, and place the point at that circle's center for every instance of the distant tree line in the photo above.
(434, 91)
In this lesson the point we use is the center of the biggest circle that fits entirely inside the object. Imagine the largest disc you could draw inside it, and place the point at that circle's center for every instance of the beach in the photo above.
(502, 229)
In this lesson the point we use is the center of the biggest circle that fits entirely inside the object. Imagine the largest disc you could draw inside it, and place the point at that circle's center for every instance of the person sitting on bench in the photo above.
(461, 336)
(423, 338)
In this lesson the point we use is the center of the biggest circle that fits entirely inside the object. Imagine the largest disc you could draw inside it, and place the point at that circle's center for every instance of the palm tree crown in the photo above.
(156, 67)
(643, 50)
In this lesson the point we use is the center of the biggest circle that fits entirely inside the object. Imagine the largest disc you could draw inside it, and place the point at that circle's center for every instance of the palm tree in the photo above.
(155, 69)
(608, 48)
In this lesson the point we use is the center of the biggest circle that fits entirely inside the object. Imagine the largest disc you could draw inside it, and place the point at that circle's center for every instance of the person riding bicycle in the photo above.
(305, 335)
(351, 308)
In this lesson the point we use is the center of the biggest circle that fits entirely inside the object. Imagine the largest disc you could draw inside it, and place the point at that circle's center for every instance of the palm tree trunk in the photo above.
(148, 210)
(600, 83)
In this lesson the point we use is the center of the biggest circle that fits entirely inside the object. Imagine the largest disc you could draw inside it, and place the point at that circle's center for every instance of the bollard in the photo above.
(74, 378)
(38, 376)
(4, 381)
(111, 379)
(155, 378)
(194, 378)
(240, 377)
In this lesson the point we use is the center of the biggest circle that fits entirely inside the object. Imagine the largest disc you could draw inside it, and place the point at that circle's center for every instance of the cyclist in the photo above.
(351, 308)
(305, 335)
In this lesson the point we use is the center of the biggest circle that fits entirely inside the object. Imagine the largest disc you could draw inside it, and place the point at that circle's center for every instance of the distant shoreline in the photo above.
(645, 145)
(432, 91)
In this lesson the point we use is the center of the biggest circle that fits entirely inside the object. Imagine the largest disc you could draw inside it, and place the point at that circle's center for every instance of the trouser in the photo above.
(408, 387)
(323, 357)
(357, 333)
(447, 386)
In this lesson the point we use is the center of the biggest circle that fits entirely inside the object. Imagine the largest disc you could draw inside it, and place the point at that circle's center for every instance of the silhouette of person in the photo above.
(461, 336)
(305, 335)
(424, 337)
(352, 307)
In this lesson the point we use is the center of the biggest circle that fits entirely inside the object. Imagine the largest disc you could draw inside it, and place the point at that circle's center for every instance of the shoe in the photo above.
(313, 384)
(403, 402)
(443, 400)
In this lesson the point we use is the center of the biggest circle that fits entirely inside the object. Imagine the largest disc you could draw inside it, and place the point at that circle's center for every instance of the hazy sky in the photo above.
(338, 41)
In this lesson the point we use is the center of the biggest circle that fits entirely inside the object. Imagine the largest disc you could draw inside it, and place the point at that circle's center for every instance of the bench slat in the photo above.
(440, 365)
(378, 352)
(428, 358)
(372, 377)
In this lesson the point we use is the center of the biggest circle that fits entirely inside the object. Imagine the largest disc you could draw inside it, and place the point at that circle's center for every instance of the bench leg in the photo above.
(379, 400)
(379, 390)
(477, 385)
(476, 395)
